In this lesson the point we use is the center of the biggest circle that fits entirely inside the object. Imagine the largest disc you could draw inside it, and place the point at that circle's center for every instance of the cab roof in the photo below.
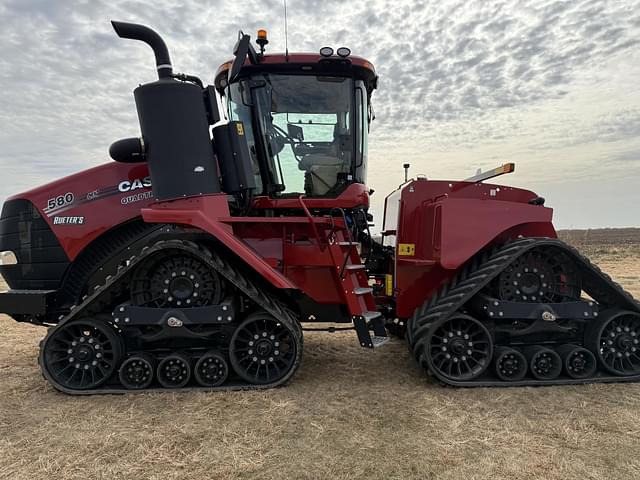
(305, 63)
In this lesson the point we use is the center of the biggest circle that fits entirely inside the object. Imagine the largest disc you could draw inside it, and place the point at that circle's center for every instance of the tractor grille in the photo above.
(41, 260)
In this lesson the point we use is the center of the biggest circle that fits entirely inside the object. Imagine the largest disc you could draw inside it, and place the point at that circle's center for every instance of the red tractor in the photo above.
(241, 213)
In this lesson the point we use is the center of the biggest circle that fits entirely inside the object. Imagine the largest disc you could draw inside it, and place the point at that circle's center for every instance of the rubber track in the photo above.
(102, 295)
(479, 272)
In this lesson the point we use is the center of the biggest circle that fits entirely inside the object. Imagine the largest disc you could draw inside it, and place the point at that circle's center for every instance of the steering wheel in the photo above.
(298, 147)
(284, 137)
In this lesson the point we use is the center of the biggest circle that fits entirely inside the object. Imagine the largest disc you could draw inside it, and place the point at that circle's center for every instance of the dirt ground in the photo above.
(348, 413)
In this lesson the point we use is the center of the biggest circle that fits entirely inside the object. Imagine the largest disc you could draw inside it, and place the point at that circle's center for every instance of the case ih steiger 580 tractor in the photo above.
(242, 212)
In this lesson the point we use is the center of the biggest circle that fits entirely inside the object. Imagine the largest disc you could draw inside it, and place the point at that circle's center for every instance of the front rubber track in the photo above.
(99, 302)
(478, 273)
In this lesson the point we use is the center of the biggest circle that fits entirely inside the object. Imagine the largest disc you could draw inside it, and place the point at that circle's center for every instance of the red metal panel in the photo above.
(449, 222)
(203, 212)
(317, 282)
(270, 59)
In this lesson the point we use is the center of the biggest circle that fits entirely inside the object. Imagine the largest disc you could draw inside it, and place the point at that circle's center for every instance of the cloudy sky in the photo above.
(551, 85)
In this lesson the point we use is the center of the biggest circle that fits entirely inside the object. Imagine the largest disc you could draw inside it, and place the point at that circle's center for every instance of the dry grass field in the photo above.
(349, 413)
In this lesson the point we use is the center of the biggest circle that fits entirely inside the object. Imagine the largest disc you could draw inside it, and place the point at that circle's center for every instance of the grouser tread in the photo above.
(95, 303)
(479, 272)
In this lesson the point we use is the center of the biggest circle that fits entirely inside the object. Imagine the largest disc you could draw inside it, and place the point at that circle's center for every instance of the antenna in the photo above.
(286, 33)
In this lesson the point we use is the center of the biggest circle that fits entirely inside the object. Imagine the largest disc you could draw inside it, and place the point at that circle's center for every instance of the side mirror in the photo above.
(295, 131)
(242, 49)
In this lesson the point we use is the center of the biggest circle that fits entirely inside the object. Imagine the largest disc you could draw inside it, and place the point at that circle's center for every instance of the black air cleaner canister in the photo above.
(175, 130)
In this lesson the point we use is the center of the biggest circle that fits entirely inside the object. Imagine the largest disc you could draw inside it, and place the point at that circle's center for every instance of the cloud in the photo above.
(506, 77)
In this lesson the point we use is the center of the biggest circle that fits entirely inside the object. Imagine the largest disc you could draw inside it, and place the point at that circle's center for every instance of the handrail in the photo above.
(311, 220)
(349, 238)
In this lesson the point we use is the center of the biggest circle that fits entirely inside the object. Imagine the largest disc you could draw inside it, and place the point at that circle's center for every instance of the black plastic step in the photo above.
(379, 341)
(354, 266)
(371, 315)
(362, 290)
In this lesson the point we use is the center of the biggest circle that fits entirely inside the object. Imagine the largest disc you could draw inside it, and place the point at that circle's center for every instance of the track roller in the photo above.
(511, 364)
(136, 372)
(211, 369)
(174, 371)
(578, 361)
(545, 364)
(614, 338)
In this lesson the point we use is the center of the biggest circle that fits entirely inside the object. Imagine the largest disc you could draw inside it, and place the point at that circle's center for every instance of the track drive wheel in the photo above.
(541, 275)
(81, 354)
(264, 350)
(211, 369)
(173, 279)
(459, 348)
(614, 339)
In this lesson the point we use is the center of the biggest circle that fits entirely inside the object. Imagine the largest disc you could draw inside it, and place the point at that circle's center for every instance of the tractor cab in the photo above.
(305, 118)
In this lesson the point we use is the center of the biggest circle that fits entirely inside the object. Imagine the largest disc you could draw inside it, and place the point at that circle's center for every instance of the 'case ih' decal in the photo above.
(127, 186)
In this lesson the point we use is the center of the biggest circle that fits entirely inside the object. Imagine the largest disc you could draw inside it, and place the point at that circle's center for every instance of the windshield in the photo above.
(305, 124)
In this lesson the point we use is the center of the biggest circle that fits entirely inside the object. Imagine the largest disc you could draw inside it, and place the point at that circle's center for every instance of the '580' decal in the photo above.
(59, 201)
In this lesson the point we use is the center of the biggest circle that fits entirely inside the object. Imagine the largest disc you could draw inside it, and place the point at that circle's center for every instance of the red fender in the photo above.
(469, 225)
(202, 213)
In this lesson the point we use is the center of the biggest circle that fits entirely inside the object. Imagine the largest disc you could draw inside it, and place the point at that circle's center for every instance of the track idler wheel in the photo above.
(211, 369)
(136, 372)
(545, 364)
(511, 364)
(174, 371)
(459, 348)
(578, 362)
(263, 350)
(81, 354)
(614, 338)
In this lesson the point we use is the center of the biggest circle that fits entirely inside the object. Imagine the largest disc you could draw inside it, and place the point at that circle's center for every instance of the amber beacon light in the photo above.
(262, 40)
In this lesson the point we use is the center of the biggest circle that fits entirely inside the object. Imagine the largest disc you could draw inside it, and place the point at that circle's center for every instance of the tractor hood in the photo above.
(80, 207)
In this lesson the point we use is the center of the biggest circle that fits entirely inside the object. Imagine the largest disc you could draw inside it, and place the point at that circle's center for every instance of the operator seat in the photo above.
(322, 168)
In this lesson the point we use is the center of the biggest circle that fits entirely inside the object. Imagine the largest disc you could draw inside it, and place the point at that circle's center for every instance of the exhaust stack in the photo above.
(134, 31)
